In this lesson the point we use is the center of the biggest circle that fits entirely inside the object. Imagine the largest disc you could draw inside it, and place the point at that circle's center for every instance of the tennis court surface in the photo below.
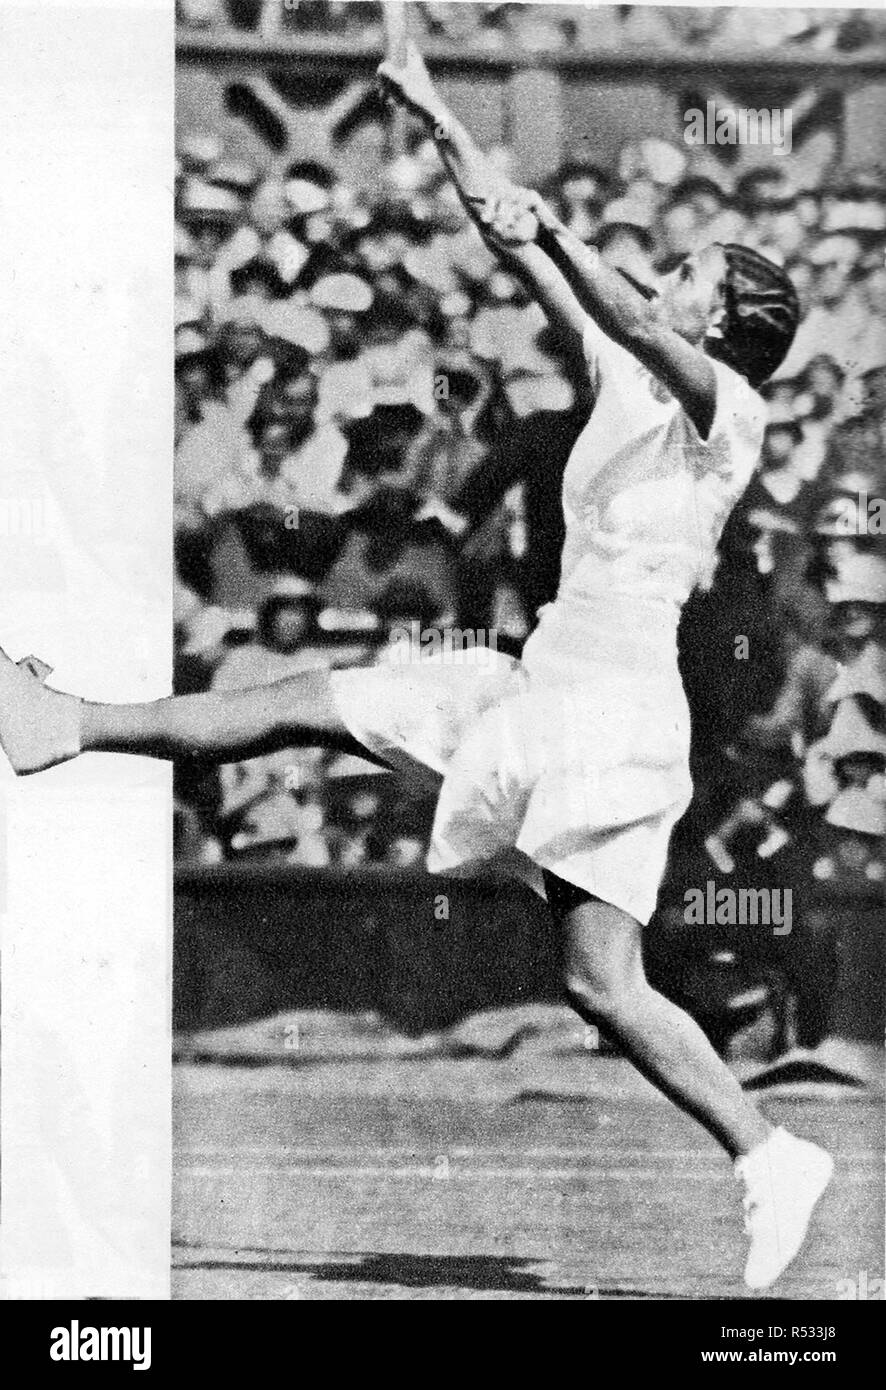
(526, 1176)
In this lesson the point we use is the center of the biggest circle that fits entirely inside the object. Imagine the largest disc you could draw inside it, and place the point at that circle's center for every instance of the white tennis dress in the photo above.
(576, 758)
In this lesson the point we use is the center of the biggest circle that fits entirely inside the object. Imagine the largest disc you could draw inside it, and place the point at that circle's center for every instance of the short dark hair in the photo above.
(611, 231)
(694, 186)
(762, 314)
(276, 604)
(312, 171)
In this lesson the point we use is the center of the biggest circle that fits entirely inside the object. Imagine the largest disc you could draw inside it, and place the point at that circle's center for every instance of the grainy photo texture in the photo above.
(529, 718)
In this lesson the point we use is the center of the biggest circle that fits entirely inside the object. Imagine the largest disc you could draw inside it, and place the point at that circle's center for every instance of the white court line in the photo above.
(426, 1172)
(590, 1155)
(353, 1150)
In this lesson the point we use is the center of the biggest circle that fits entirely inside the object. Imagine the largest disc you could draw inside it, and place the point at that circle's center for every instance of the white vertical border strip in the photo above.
(86, 382)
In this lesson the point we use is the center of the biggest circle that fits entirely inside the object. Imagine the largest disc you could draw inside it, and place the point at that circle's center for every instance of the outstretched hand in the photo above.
(513, 217)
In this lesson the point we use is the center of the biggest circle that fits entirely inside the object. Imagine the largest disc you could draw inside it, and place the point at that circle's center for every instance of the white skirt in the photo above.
(575, 759)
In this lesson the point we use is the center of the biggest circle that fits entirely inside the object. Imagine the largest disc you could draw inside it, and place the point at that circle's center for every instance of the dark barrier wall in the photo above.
(252, 940)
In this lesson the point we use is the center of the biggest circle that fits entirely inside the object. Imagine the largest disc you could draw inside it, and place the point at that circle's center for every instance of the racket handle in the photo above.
(396, 30)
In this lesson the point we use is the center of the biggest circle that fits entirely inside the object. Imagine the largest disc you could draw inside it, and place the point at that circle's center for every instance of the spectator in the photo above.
(294, 464)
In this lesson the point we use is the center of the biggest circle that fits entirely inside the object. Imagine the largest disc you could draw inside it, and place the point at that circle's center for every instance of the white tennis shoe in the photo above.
(784, 1179)
(38, 727)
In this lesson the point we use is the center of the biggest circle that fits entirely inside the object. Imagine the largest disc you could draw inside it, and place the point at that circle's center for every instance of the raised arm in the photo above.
(568, 278)
(628, 317)
(484, 190)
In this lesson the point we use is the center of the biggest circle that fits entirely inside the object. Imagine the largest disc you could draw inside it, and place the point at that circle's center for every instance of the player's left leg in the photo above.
(41, 727)
(606, 983)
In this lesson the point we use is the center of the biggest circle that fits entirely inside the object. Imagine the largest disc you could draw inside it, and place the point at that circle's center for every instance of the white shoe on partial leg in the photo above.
(784, 1179)
(38, 727)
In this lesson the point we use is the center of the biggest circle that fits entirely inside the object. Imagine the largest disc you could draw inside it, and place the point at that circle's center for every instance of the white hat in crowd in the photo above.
(851, 733)
(343, 292)
(866, 675)
(860, 578)
(291, 586)
(202, 199)
(856, 809)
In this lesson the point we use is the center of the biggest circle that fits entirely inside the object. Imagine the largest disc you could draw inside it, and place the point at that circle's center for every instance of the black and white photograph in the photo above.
(443, 659)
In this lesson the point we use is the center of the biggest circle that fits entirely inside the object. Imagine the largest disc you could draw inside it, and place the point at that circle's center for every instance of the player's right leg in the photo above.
(40, 727)
(784, 1177)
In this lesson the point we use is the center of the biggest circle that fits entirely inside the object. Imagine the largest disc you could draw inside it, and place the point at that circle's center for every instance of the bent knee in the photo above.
(604, 1001)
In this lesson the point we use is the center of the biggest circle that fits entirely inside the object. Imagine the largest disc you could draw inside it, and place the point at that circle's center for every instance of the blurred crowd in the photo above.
(371, 426)
(551, 26)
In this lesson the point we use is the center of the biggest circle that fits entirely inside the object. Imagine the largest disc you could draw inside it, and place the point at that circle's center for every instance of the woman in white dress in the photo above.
(570, 766)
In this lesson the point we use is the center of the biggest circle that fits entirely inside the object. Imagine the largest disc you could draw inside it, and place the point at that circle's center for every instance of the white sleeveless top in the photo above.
(645, 499)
